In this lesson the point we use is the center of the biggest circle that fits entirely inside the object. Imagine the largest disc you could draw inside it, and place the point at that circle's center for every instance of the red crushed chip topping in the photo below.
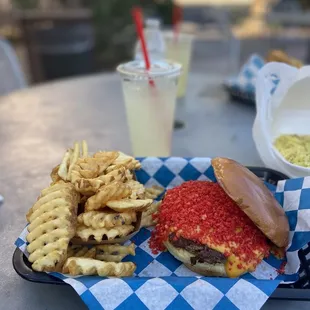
(201, 211)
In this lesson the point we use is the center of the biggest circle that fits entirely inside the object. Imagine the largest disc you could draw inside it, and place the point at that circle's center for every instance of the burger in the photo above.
(221, 229)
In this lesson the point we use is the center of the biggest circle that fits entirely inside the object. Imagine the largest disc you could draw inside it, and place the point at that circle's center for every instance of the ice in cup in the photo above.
(150, 100)
(180, 50)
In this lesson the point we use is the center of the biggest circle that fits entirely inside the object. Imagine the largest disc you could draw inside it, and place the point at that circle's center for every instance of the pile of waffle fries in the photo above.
(93, 203)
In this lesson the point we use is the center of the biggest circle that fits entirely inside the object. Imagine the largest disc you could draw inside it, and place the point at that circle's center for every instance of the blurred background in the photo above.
(62, 38)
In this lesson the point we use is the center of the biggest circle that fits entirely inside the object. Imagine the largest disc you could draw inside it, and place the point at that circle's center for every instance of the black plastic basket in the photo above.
(300, 290)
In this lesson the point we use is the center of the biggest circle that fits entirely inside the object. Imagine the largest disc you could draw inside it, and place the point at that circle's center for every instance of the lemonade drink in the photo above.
(149, 105)
(180, 50)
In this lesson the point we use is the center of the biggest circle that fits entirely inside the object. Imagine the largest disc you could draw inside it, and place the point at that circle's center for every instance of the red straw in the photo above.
(177, 15)
(138, 19)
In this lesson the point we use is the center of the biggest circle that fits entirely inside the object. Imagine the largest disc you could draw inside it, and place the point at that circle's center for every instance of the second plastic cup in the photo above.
(150, 99)
(180, 50)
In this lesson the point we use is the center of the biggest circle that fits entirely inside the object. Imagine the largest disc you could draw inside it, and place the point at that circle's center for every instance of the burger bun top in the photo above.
(254, 199)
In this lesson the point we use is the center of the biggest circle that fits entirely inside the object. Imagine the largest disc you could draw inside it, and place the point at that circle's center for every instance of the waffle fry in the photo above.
(58, 223)
(126, 205)
(90, 253)
(47, 207)
(86, 233)
(105, 154)
(153, 192)
(83, 184)
(105, 162)
(114, 252)
(148, 221)
(71, 157)
(99, 219)
(56, 187)
(113, 168)
(39, 253)
(52, 261)
(73, 249)
(86, 168)
(153, 208)
(64, 166)
(110, 258)
(147, 216)
(62, 192)
(128, 175)
(91, 186)
(48, 252)
(50, 238)
(58, 212)
(74, 157)
(52, 224)
(113, 191)
(81, 251)
(54, 175)
(105, 159)
(84, 149)
(87, 266)
(87, 187)
(115, 175)
(137, 189)
(116, 249)
(83, 199)
(127, 161)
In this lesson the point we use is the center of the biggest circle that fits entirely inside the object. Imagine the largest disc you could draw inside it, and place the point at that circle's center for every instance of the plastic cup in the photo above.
(150, 107)
(180, 50)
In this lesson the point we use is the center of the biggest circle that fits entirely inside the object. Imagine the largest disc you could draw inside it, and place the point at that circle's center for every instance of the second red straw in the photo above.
(177, 16)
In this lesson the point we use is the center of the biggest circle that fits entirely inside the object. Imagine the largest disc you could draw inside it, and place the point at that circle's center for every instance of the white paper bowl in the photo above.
(284, 111)
(295, 170)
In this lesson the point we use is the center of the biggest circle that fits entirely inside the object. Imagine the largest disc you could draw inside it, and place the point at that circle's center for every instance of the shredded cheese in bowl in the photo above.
(295, 149)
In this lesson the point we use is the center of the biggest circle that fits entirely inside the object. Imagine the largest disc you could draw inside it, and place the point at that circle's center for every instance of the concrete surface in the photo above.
(37, 125)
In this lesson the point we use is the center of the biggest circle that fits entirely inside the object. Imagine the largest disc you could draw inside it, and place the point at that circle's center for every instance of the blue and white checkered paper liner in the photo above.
(244, 84)
(162, 282)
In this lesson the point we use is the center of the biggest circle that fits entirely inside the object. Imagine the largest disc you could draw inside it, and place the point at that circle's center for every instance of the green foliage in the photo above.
(305, 4)
(164, 11)
(115, 31)
(25, 4)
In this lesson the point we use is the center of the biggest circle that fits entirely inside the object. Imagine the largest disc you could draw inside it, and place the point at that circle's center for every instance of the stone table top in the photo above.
(39, 123)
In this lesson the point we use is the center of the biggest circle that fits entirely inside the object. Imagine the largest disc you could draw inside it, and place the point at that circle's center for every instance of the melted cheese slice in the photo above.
(235, 266)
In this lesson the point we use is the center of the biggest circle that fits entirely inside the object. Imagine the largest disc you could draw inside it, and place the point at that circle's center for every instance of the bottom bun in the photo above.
(205, 269)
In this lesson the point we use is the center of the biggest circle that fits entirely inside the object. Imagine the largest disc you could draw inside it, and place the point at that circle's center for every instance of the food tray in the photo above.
(300, 290)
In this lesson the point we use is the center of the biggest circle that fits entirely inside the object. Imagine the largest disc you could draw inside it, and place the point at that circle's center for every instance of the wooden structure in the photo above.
(31, 20)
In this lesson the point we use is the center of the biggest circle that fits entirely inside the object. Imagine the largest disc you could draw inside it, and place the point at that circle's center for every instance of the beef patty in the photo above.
(203, 254)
